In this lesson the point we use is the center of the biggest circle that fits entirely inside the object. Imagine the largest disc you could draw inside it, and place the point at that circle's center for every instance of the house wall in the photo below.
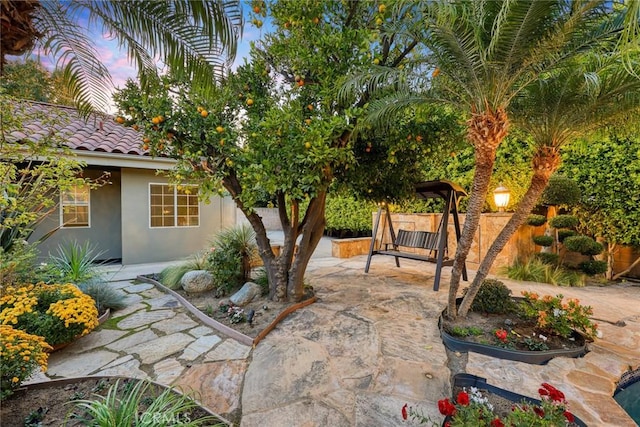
(143, 244)
(105, 225)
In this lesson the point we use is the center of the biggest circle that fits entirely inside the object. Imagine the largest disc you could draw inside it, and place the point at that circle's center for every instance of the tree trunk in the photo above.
(485, 131)
(545, 162)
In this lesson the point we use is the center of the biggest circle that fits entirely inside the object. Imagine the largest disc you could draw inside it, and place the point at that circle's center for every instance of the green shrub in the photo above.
(75, 263)
(262, 279)
(536, 220)
(583, 244)
(104, 296)
(543, 240)
(563, 221)
(18, 264)
(534, 270)
(548, 258)
(493, 297)
(593, 267)
(230, 257)
(139, 403)
(561, 191)
(348, 213)
(171, 276)
(563, 234)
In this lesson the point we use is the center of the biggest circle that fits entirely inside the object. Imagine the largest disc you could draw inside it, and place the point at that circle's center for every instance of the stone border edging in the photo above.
(244, 339)
(71, 380)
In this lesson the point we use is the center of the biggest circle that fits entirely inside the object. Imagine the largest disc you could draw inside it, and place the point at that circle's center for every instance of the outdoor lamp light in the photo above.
(501, 197)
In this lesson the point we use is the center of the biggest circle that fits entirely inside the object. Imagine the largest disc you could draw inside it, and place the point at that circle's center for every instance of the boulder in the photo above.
(197, 281)
(246, 294)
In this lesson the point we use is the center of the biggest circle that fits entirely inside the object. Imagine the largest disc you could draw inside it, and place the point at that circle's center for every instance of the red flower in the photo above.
(569, 416)
(501, 334)
(404, 412)
(496, 423)
(463, 398)
(538, 410)
(446, 408)
(553, 393)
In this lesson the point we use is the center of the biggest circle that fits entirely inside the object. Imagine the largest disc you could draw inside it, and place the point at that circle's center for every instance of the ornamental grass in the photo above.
(20, 354)
(59, 312)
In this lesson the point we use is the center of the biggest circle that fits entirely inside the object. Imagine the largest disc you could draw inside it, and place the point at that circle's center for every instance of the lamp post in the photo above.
(501, 197)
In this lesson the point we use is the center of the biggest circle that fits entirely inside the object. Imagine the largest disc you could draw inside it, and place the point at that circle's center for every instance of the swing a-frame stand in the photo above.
(433, 246)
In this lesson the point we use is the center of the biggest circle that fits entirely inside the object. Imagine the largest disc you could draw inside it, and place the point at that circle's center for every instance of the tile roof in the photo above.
(98, 133)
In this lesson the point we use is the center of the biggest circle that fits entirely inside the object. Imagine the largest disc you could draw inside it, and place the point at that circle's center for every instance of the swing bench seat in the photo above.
(417, 240)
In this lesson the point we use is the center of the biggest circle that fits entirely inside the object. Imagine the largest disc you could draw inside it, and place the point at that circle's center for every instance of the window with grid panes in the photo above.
(74, 207)
(171, 206)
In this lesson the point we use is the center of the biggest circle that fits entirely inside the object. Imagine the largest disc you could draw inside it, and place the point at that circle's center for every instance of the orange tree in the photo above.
(277, 126)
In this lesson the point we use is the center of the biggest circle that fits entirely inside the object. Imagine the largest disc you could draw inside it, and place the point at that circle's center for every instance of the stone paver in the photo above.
(145, 318)
(181, 322)
(369, 345)
(77, 365)
(167, 371)
(129, 341)
(154, 350)
(200, 346)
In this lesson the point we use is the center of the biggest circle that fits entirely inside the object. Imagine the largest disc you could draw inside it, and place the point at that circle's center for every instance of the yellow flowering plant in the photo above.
(20, 354)
(57, 312)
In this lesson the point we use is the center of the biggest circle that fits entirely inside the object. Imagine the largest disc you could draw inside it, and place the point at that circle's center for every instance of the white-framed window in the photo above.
(173, 206)
(75, 207)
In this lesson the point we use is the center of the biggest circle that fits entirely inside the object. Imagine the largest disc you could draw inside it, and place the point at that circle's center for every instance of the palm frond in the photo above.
(88, 79)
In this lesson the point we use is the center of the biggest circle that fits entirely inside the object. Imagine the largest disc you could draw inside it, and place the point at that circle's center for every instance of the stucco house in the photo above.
(137, 217)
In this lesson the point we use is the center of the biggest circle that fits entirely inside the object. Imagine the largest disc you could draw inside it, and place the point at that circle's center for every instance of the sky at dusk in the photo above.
(115, 58)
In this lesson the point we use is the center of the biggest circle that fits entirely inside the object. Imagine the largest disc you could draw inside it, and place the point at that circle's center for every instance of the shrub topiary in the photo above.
(493, 297)
(543, 240)
(563, 221)
(548, 258)
(536, 220)
(593, 267)
(560, 191)
(563, 234)
(583, 244)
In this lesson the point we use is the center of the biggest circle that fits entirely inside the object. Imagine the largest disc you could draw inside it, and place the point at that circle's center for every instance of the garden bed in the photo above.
(206, 307)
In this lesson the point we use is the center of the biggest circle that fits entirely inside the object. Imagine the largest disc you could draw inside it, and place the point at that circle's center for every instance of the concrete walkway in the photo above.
(354, 358)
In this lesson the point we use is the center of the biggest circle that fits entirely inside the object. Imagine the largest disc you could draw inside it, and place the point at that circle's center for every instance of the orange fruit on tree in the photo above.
(219, 129)
(308, 121)
(310, 107)
(316, 20)
(204, 113)
(155, 120)
(145, 147)
(120, 119)
(382, 8)
(300, 83)
(249, 102)
(256, 9)
(307, 145)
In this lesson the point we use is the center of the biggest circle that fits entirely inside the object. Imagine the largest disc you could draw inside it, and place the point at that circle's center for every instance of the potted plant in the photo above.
(479, 404)
(531, 329)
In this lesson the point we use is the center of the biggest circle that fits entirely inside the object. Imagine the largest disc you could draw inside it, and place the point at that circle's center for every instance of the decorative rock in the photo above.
(246, 294)
(197, 281)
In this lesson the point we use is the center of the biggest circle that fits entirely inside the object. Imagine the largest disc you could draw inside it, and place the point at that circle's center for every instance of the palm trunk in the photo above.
(545, 162)
(485, 131)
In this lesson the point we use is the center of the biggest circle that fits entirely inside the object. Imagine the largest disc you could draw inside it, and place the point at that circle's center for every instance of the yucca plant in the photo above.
(76, 263)
(138, 405)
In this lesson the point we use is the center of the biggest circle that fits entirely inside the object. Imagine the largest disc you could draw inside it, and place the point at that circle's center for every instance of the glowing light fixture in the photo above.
(501, 196)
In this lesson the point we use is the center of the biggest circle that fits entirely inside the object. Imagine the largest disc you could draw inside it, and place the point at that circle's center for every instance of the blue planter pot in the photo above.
(526, 356)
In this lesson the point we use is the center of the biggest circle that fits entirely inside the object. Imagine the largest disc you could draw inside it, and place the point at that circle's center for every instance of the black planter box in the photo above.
(526, 356)
(468, 380)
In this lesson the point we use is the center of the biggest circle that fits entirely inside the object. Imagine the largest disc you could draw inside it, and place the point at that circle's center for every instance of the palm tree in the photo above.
(555, 110)
(193, 38)
(484, 54)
